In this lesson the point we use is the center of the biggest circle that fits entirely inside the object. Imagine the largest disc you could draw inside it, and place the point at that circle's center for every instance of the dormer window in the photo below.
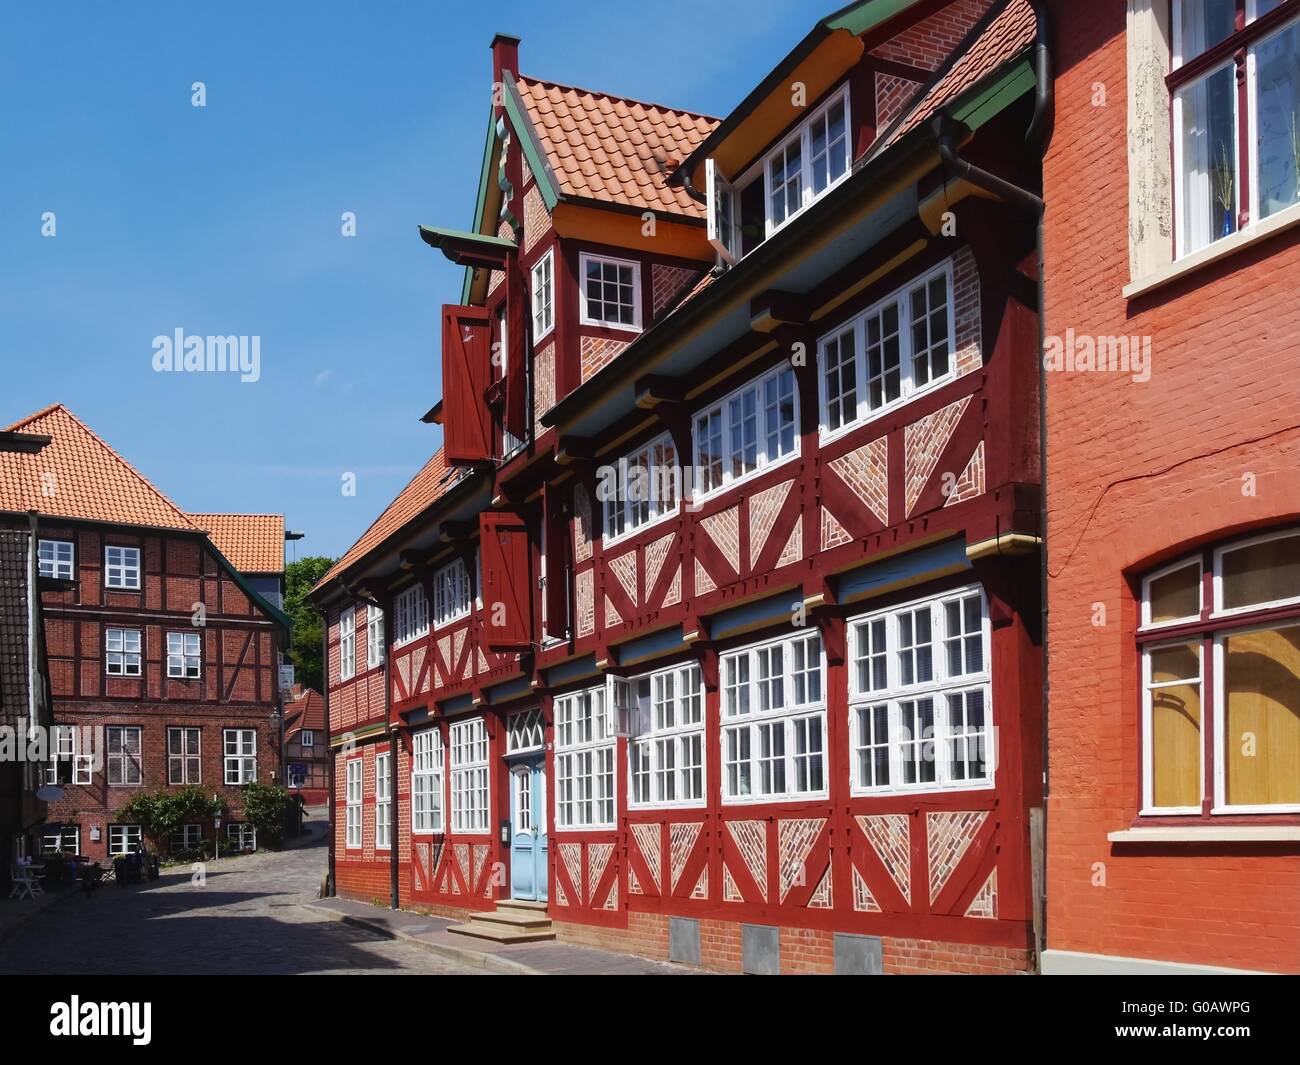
(611, 293)
(809, 162)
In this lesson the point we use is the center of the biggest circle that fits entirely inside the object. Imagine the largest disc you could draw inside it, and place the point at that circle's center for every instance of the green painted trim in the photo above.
(279, 615)
(996, 97)
(860, 17)
(537, 161)
(459, 236)
(485, 171)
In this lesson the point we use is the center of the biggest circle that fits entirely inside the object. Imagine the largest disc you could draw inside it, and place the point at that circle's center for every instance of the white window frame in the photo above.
(525, 731)
(1148, 746)
(184, 653)
(352, 797)
(410, 615)
(585, 751)
(241, 834)
(942, 684)
(470, 777)
(428, 764)
(383, 801)
(793, 716)
(183, 758)
(307, 738)
(585, 318)
(58, 839)
(660, 484)
(645, 700)
(125, 763)
(187, 837)
(542, 277)
(803, 134)
(1217, 608)
(126, 567)
(124, 839)
(243, 759)
(374, 637)
(67, 745)
(347, 643)
(451, 593)
(764, 461)
(908, 389)
(128, 652)
(60, 561)
(1145, 623)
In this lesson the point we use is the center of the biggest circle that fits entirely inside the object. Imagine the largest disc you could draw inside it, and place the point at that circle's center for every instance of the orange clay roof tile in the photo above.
(254, 543)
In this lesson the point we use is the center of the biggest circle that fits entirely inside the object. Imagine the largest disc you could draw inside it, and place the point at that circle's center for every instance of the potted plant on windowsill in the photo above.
(1225, 186)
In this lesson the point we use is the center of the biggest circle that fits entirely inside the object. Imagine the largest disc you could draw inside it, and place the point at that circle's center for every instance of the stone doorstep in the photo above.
(509, 923)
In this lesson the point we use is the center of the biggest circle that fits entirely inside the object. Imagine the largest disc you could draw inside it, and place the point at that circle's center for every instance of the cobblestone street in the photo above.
(246, 919)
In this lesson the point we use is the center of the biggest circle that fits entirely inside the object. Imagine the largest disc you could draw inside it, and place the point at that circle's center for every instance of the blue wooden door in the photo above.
(528, 831)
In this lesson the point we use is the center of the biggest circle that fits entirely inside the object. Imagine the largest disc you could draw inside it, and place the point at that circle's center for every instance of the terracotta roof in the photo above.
(254, 543)
(608, 148)
(1011, 31)
(79, 476)
(433, 482)
(305, 710)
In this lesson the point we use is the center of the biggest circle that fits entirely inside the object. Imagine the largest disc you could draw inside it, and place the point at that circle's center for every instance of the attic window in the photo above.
(809, 162)
(611, 293)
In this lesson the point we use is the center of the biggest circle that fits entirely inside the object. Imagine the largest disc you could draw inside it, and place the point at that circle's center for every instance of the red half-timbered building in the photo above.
(713, 629)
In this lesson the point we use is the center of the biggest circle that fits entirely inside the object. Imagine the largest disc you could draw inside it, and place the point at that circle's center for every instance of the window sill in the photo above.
(608, 542)
(1220, 249)
(1208, 834)
(697, 501)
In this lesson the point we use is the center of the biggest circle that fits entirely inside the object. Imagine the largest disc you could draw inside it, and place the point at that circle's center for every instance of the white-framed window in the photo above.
(307, 738)
(584, 760)
(383, 802)
(410, 615)
(774, 720)
(241, 836)
(451, 594)
(184, 763)
(187, 837)
(184, 655)
(524, 731)
(240, 755)
(811, 161)
(426, 781)
(749, 430)
(469, 776)
(68, 765)
(898, 348)
(641, 488)
(374, 636)
(610, 292)
(543, 295)
(920, 709)
(122, 754)
(122, 567)
(64, 839)
(665, 715)
(55, 558)
(122, 652)
(347, 643)
(352, 797)
(125, 839)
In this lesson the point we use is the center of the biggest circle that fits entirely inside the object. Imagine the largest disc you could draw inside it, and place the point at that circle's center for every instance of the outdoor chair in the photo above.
(27, 882)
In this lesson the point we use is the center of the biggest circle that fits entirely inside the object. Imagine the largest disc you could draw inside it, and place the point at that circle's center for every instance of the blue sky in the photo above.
(226, 219)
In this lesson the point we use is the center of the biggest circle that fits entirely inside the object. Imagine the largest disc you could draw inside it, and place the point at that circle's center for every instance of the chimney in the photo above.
(505, 56)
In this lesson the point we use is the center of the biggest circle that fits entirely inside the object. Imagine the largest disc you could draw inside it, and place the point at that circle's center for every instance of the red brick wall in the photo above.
(932, 40)
(1138, 473)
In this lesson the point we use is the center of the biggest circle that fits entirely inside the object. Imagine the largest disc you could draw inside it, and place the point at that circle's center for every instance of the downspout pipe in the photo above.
(946, 131)
(330, 885)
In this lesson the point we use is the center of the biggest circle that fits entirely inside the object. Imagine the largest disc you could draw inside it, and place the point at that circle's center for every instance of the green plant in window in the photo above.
(1224, 180)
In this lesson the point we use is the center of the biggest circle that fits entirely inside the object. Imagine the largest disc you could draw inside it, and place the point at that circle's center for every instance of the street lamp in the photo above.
(216, 827)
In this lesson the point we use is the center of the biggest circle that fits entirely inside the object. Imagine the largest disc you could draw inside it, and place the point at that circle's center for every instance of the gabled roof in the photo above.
(306, 709)
(77, 475)
(254, 543)
(433, 482)
(614, 150)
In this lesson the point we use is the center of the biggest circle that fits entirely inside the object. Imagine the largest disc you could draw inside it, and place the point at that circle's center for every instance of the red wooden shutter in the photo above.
(466, 347)
(507, 606)
(557, 565)
(517, 355)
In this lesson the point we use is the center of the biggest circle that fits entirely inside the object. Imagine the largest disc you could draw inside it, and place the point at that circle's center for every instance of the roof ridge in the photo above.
(618, 96)
(32, 417)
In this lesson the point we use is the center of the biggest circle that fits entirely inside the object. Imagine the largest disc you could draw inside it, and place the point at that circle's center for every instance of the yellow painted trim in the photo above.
(932, 208)
(624, 231)
(731, 369)
(1006, 544)
(869, 279)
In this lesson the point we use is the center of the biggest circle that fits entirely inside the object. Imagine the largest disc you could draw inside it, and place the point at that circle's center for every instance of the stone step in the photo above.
(515, 918)
(499, 933)
(520, 904)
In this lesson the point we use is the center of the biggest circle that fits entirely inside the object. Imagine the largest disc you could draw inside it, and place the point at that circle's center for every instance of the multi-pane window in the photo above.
(1233, 164)
(55, 559)
(122, 652)
(809, 162)
(665, 715)
(584, 760)
(469, 776)
(124, 839)
(241, 836)
(543, 296)
(747, 431)
(187, 837)
(774, 720)
(183, 760)
(61, 839)
(353, 802)
(383, 802)
(374, 636)
(894, 350)
(240, 755)
(410, 615)
(426, 781)
(641, 487)
(451, 593)
(67, 765)
(611, 292)
(122, 754)
(121, 567)
(1221, 680)
(920, 717)
(524, 732)
(184, 652)
(347, 643)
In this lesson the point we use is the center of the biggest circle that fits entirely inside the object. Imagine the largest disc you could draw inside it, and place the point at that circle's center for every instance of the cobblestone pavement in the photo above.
(246, 918)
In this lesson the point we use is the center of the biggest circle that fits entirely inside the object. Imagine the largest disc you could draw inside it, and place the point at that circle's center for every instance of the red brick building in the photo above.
(162, 655)
(713, 630)
(1173, 440)
(306, 761)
